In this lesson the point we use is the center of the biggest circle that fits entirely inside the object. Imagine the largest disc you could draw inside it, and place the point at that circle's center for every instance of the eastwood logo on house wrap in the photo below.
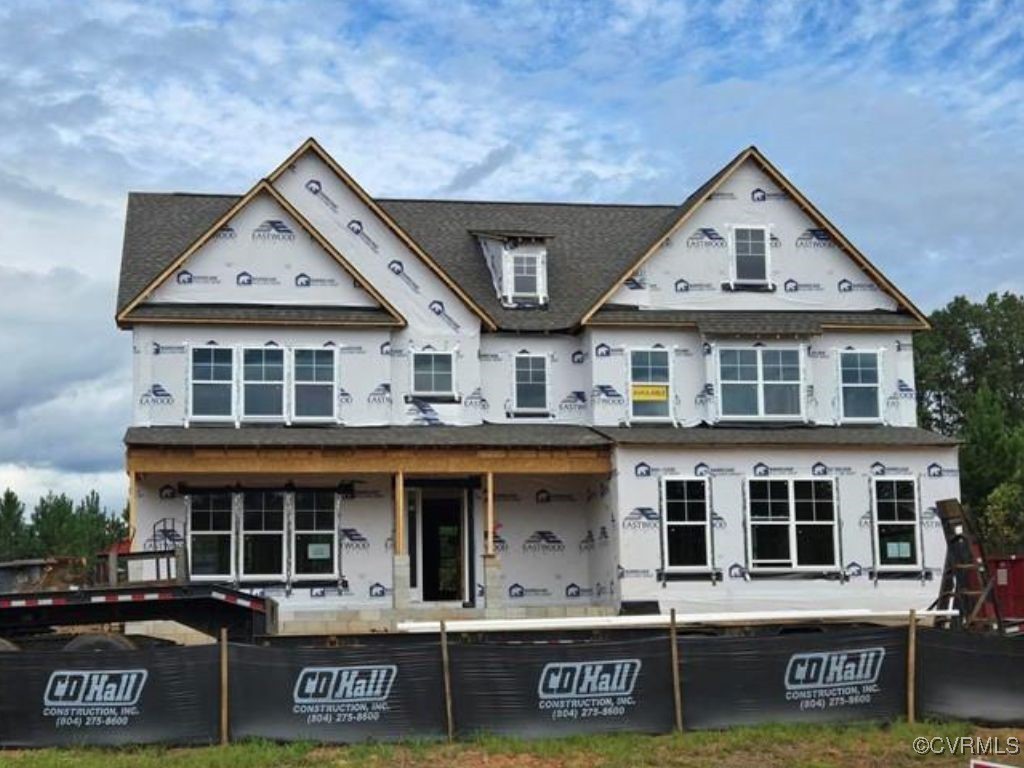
(543, 541)
(343, 694)
(356, 227)
(78, 698)
(156, 395)
(814, 237)
(574, 401)
(706, 237)
(273, 231)
(641, 518)
(828, 679)
(227, 232)
(588, 689)
(316, 189)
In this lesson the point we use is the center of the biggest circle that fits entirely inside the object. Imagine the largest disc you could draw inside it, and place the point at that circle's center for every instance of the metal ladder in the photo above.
(967, 585)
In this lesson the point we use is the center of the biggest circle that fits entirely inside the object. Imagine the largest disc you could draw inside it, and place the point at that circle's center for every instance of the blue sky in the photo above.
(901, 120)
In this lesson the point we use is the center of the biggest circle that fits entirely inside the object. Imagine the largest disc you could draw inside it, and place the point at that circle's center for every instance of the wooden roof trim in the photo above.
(262, 186)
(851, 250)
(198, 243)
(324, 243)
(806, 205)
(723, 174)
(311, 145)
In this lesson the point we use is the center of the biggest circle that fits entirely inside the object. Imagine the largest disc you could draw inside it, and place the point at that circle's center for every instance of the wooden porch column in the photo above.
(489, 507)
(400, 513)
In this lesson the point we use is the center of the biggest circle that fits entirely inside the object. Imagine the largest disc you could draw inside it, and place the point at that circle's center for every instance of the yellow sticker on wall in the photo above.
(650, 393)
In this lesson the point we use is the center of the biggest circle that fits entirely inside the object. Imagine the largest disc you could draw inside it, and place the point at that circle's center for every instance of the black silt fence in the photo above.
(550, 684)
(970, 677)
(836, 676)
(558, 689)
(346, 695)
(162, 695)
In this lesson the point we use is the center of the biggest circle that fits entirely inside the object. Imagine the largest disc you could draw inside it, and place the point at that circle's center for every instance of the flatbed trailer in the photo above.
(205, 608)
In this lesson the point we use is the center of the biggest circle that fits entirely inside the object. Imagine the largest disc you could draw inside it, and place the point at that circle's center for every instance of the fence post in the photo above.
(446, 673)
(676, 693)
(224, 736)
(911, 666)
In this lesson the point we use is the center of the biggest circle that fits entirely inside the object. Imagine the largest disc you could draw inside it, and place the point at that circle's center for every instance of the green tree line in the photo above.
(970, 381)
(57, 526)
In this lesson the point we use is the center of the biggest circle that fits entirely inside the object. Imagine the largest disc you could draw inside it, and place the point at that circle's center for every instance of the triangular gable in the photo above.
(709, 188)
(218, 228)
(311, 145)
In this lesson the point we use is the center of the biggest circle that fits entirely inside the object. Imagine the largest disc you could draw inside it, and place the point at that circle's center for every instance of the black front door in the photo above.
(442, 548)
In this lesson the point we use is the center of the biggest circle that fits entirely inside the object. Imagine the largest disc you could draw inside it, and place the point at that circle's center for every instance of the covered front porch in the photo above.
(393, 524)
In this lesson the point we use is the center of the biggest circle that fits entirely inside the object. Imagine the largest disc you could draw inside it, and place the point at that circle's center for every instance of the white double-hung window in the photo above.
(896, 523)
(315, 534)
(433, 374)
(687, 516)
(313, 377)
(860, 385)
(531, 384)
(211, 535)
(792, 524)
(212, 384)
(750, 255)
(650, 384)
(263, 535)
(760, 382)
(263, 383)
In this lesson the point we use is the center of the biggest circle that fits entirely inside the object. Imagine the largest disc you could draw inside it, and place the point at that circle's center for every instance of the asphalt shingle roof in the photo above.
(590, 247)
(750, 322)
(243, 313)
(528, 436)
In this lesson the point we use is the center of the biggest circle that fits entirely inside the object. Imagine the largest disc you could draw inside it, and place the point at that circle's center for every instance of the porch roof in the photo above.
(475, 436)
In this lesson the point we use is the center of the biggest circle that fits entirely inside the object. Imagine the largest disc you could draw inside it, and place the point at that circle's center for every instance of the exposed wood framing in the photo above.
(400, 548)
(335, 461)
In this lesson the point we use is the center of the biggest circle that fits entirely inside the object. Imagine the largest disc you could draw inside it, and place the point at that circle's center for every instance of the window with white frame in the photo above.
(687, 522)
(860, 386)
(263, 534)
(313, 384)
(525, 276)
(263, 383)
(314, 536)
(750, 249)
(650, 387)
(760, 383)
(212, 383)
(211, 535)
(792, 524)
(531, 383)
(433, 374)
(896, 523)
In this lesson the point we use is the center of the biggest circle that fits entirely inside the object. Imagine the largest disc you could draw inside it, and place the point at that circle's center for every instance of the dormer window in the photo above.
(525, 280)
(518, 265)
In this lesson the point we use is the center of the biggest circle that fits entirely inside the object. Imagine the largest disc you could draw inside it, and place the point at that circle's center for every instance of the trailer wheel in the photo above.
(7, 645)
(99, 641)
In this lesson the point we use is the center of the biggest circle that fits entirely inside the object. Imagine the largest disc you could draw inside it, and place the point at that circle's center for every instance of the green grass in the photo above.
(859, 746)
